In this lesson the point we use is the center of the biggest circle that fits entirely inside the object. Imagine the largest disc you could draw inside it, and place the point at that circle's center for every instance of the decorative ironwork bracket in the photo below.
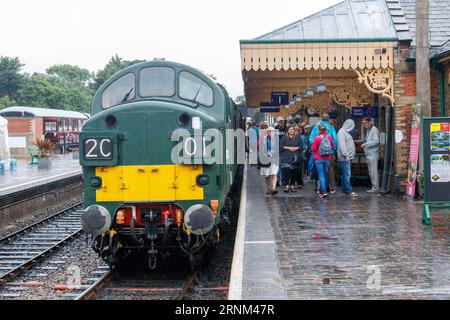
(379, 81)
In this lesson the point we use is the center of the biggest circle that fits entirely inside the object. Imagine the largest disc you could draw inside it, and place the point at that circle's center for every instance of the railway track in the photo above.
(24, 248)
(161, 289)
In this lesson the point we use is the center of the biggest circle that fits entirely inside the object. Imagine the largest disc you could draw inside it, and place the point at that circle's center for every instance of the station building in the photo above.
(25, 124)
(353, 54)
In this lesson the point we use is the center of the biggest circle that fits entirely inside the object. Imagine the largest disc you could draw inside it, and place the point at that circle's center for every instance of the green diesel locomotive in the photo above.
(149, 184)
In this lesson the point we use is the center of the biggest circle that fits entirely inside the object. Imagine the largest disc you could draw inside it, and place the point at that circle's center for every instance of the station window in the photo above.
(121, 90)
(50, 126)
(60, 125)
(66, 125)
(157, 82)
(193, 88)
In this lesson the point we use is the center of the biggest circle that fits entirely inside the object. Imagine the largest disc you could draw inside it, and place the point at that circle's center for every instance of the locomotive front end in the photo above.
(138, 196)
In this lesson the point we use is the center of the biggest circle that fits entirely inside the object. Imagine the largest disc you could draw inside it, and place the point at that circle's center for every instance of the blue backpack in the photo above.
(325, 148)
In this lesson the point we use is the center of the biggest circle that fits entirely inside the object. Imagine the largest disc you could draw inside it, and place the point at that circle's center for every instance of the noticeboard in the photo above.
(436, 153)
(366, 111)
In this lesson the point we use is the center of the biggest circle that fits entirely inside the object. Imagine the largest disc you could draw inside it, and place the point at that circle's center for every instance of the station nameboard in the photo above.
(280, 98)
(436, 153)
(268, 107)
(362, 112)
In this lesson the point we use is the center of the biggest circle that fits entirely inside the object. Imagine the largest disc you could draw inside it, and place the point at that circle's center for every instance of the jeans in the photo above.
(322, 171)
(372, 165)
(346, 173)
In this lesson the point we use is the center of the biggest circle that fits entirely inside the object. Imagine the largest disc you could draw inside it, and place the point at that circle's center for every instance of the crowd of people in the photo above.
(287, 151)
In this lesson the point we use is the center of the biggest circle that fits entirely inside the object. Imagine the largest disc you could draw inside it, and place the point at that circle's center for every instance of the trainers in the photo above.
(333, 191)
(352, 194)
(323, 195)
(373, 190)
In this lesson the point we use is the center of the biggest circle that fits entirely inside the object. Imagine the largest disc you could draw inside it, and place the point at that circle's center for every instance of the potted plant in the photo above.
(46, 148)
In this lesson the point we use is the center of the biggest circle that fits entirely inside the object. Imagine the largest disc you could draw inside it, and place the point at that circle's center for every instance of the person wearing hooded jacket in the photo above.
(346, 154)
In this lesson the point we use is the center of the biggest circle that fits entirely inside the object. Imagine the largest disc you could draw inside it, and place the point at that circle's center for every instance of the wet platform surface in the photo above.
(370, 247)
(25, 175)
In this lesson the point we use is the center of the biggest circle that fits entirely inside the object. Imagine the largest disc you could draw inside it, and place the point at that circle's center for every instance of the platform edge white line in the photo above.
(235, 289)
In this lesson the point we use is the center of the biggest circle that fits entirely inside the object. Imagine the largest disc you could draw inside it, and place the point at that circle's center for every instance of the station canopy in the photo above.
(348, 47)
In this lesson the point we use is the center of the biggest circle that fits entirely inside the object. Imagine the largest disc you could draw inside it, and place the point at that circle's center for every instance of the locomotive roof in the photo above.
(42, 112)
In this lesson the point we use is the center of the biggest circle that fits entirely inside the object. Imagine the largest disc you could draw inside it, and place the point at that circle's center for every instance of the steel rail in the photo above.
(16, 270)
(187, 287)
(95, 287)
(28, 228)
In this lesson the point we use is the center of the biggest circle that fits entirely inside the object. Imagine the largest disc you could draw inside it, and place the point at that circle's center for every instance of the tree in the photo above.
(114, 65)
(10, 78)
(55, 93)
(6, 101)
(240, 100)
(71, 73)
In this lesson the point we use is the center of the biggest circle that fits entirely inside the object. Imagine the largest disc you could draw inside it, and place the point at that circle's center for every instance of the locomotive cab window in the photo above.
(193, 88)
(157, 82)
(121, 90)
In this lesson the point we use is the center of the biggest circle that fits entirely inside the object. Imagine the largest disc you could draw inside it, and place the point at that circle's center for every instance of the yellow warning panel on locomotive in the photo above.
(155, 183)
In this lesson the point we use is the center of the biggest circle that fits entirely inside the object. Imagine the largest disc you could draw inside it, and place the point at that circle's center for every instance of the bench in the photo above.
(34, 153)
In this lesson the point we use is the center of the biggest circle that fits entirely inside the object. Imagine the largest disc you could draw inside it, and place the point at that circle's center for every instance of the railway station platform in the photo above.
(26, 176)
(297, 246)
(27, 190)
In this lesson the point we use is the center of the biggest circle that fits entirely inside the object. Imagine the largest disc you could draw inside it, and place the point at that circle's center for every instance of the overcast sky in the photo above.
(202, 33)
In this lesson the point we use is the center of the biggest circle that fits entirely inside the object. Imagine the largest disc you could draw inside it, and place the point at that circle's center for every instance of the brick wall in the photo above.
(435, 98)
(29, 206)
(19, 125)
(447, 88)
(405, 97)
(28, 128)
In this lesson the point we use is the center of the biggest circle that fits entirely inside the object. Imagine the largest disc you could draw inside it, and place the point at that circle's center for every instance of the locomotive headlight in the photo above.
(199, 219)
(96, 220)
(202, 180)
(95, 182)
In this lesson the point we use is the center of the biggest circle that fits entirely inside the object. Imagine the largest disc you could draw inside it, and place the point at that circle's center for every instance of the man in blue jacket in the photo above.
(331, 131)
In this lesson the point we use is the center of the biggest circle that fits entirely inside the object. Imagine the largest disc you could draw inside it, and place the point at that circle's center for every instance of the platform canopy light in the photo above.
(298, 98)
(309, 92)
(321, 86)
(291, 102)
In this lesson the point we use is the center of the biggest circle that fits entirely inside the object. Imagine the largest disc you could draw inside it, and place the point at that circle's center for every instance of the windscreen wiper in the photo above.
(196, 95)
(125, 98)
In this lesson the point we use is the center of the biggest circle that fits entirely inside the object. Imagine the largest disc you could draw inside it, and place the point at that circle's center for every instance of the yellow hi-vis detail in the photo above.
(156, 183)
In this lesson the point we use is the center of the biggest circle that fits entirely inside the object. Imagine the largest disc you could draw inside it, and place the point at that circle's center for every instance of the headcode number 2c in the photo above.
(91, 146)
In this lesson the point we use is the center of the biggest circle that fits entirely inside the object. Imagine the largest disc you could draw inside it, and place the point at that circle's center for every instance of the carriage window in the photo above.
(50, 126)
(121, 90)
(157, 82)
(195, 89)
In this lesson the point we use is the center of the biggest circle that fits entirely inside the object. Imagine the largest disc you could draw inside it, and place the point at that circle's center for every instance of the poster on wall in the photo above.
(440, 168)
(440, 137)
(414, 151)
